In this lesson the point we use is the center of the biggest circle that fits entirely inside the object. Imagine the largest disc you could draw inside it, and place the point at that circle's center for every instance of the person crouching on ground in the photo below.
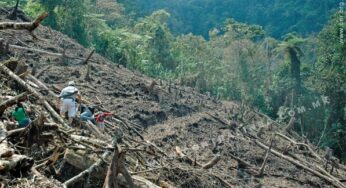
(100, 119)
(20, 115)
(68, 97)
(87, 113)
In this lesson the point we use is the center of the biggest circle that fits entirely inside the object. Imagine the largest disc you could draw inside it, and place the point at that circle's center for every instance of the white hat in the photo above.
(71, 83)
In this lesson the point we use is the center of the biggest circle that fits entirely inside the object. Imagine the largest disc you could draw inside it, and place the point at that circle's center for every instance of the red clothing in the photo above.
(101, 116)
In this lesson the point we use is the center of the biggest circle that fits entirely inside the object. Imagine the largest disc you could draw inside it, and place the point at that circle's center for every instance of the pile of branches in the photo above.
(48, 145)
(94, 154)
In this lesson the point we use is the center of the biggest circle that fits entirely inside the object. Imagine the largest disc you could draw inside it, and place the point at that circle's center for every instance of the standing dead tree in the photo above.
(87, 75)
(13, 14)
(89, 56)
(85, 62)
(117, 166)
(30, 26)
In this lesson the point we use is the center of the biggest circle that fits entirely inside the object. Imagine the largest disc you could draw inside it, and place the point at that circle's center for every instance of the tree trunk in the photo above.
(89, 56)
(295, 73)
(30, 26)
(13, 15)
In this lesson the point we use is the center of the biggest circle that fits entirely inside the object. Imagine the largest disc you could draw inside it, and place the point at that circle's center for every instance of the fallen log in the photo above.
(35, 50)
(80, 159)
(52, 97)
(46, 127)
(12, 101)
(331, 179)
(10, 161)
(39, 74)
(42, 85)
(16, 164)
(302, 144)
(6, 70)
(30, 26)
(88, 171)
(5, 151)
(146, 182)
(212, 162)
(95, 130)
(190, 161)
(185, 158)
(242, 162)
(91, 141)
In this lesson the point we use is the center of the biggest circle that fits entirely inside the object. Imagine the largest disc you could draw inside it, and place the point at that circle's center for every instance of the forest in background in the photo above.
(290, 66)
(277, 17)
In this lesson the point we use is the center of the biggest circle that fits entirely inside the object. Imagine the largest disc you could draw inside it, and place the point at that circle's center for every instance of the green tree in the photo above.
(67, 16)
(160, 39)
(290, 46)
(330, 79)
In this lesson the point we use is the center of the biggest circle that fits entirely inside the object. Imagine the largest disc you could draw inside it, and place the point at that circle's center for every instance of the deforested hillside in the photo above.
(160, 134)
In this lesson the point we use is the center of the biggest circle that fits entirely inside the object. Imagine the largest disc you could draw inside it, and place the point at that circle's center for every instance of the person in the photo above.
(87, 113)
(68, 96)
(20, 115)
(100, 119)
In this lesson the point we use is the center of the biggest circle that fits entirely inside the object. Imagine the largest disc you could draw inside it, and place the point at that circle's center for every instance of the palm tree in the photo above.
(290, 47)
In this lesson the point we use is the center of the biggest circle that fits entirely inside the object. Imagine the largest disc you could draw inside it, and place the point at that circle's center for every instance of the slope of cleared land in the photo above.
(173, 136)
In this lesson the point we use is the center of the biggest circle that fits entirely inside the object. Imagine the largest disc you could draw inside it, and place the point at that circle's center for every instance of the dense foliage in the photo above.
(277, 17)
(300, 76)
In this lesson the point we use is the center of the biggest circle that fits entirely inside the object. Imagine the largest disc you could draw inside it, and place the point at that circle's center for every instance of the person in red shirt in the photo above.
(100, 119)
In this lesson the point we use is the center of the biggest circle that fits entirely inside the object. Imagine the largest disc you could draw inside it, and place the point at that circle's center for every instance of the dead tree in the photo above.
(89, 56)
(331, 160)
(117, 166)
(87, 74)
(30, 26)
(13, 14)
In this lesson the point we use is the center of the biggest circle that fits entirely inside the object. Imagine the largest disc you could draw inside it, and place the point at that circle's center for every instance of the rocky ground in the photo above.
(182, 130)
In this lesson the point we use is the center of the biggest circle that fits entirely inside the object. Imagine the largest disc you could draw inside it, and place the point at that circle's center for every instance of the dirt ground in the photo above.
(171, 116)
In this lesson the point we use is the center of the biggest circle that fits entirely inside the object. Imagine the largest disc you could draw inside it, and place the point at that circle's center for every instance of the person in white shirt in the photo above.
(68, 97)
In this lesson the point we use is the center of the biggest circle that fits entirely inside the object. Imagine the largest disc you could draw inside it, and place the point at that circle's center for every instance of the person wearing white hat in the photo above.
(68, 97)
